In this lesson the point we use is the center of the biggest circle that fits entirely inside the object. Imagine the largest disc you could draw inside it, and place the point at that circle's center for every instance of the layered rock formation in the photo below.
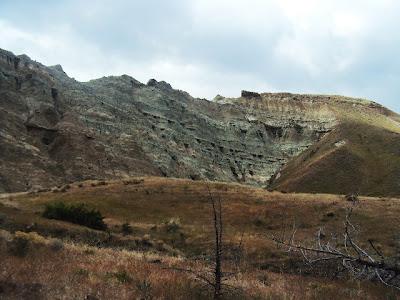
(56, 130)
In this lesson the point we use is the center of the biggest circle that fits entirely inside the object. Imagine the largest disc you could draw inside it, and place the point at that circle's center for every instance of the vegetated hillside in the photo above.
(56, 130)
(171, 227)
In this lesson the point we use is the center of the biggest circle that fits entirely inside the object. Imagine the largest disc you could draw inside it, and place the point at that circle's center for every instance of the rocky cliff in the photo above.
(56, 130)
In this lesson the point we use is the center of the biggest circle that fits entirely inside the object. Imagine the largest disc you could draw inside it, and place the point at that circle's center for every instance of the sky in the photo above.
(210, 47)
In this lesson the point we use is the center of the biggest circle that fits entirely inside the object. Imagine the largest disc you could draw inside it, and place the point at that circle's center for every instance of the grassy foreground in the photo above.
(171, 226)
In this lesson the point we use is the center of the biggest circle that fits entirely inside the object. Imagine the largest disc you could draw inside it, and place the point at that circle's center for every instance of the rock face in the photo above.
(247, 94)
(56, 130)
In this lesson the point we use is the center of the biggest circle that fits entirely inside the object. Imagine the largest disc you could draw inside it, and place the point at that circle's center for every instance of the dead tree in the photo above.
(215, 278)
(360, 262)
(217, 215)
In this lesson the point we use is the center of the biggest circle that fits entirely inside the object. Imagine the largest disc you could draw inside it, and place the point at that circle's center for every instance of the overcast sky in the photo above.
(210, 47)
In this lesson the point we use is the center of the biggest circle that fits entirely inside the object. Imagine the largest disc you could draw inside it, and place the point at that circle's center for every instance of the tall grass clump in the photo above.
(75, 213)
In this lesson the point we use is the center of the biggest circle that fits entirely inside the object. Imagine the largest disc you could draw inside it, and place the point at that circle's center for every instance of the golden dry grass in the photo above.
(77, 271)
(252, 211)
(148, 203)
(367, 162)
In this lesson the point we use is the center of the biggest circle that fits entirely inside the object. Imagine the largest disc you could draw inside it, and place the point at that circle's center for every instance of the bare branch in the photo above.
(376, 250)
(355, 259)
(385, 282)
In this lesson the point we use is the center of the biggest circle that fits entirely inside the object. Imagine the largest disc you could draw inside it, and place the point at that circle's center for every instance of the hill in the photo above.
(56, 130)
(354, 158)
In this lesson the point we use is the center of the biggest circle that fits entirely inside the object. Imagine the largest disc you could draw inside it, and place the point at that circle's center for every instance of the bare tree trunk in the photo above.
(217, 213)
(218, 276)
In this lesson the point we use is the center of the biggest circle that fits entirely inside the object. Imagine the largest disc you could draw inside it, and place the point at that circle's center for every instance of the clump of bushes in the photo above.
(75, 213)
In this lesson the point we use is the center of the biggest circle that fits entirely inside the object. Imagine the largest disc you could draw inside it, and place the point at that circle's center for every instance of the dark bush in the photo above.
(126, 228)
(75, 213)
(18, 247)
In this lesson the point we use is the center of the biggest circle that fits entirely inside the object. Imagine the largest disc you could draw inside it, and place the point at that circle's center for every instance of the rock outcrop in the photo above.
(247, 94)
(56, 130)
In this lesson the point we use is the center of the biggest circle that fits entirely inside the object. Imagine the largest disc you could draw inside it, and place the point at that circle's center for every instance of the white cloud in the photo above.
(58, 46)
(346, 24)
(219, 46)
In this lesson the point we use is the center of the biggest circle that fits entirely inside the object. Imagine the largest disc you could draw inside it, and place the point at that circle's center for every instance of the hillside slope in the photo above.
(56, 130)
(358, 156)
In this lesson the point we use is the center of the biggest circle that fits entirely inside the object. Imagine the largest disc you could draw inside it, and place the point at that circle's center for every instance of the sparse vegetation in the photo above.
(114, 274)
(106, 264)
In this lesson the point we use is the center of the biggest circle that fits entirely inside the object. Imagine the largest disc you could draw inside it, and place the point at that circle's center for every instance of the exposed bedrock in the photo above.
(56, 130)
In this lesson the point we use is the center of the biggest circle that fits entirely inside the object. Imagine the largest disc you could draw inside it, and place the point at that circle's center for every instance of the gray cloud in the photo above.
(208, 47)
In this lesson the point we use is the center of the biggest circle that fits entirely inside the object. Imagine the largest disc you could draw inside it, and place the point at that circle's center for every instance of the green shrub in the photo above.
(75, 213)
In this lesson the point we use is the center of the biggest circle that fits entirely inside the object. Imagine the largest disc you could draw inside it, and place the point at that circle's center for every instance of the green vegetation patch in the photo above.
(77, 213)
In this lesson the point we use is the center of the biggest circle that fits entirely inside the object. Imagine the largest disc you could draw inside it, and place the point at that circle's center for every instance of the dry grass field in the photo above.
(171, 227)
